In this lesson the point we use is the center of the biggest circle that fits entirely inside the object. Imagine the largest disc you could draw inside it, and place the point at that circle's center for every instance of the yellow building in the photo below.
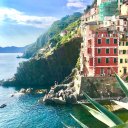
(123, 58)
(124, 9)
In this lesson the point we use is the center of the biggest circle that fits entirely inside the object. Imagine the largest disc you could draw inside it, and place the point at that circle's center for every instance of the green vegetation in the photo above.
(78, 64)
(104, 115)
(127, 78)
(52, 35)
(57, 41)
(122, 84)
(71, 29)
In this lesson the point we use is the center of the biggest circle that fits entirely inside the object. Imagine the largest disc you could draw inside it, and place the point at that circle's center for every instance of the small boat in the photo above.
(3, 105)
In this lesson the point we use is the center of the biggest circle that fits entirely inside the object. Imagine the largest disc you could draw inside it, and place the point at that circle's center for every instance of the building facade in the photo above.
(100, 54)
(123, 58)
(106, 53)
(105, 39)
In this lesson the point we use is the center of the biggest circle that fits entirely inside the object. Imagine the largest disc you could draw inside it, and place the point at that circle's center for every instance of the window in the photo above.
(102, 71)
(115, 60)
(99, 41)
(107, 41)
(124, 70)
(115, 41)
(118, 28)
(125, 29)
(107, 51)
(118, 23)
(119, 43)
(115, 51)
(121, 60)
(126, 43)
(107, 60)
(120, 51)
(99, 51)
(89, 50)
(99, 60)
(124, 51)
(126, 60)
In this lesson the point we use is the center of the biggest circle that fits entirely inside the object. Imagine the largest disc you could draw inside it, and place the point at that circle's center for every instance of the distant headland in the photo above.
(12, 49)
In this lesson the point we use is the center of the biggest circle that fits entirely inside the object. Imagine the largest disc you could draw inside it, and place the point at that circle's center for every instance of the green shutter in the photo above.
(115, 41)
(99, 60)
(107, 51)
(121, 60)
(115, 51)
(124, 51)
(107, 41)
(115, 60)
(107, 60)
(99, 51)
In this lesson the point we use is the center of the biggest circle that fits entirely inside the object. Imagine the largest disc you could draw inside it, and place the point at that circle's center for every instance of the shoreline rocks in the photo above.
(3, 106)
(61, 94)
(23, 91)
(31, 90)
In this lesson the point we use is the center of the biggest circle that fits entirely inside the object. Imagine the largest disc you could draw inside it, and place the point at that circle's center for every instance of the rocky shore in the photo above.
(102, 90)
(23, 91)
(61, 94)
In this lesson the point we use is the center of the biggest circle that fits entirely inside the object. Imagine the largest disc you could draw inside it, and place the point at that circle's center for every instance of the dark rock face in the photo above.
(60, 87)
(71, 99)
(43, 72)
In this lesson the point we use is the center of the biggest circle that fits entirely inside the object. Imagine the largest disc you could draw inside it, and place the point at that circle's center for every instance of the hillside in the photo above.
(43, 72)
(12, 49)
(55, 29)
(52, 63)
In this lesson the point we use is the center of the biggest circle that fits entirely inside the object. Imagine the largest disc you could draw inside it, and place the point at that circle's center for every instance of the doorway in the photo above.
(102, 71)
(109, 71)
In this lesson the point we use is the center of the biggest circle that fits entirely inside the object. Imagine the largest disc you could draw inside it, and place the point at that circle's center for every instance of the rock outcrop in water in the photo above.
(61, 94)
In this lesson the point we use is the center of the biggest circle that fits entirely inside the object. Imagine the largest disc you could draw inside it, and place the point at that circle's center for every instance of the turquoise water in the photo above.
(23, 111)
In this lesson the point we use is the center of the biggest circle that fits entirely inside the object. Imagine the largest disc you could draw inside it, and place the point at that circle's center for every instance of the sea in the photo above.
(24, 111)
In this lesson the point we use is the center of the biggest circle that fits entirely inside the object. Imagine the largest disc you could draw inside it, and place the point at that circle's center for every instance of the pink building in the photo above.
(100, 53)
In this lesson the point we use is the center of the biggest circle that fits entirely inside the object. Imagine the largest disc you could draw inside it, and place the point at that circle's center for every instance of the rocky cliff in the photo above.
(42, 72)
(53, 56)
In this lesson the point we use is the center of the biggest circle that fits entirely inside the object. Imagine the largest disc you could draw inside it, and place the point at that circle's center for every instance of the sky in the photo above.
(22, 21)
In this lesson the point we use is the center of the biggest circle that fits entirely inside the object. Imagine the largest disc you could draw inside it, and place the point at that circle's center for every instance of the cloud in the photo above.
(80, 5)
(76, 3)
(16, 17)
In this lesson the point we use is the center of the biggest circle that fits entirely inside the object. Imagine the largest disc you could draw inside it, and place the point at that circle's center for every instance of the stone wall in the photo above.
(98, 86)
